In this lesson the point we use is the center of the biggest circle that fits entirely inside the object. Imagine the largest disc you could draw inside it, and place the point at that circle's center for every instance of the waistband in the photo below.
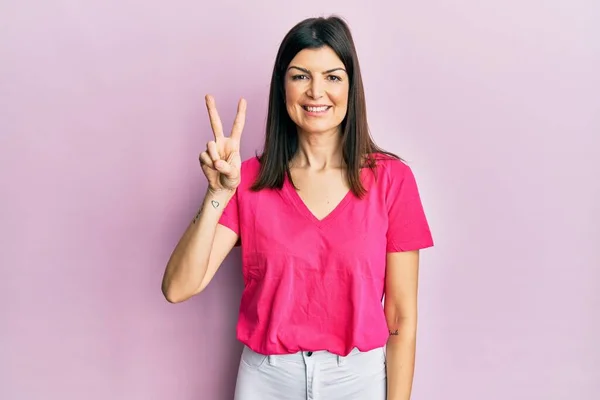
(320, 356)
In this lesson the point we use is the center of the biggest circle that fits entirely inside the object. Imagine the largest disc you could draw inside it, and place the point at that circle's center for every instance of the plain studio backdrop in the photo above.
(495, 105)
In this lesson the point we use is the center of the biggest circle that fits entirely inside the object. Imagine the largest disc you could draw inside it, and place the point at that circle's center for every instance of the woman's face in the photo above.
(316, 91)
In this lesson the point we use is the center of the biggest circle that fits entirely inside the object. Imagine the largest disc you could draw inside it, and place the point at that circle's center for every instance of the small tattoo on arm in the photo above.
(394, 333)
(214, 203)
(197, 217)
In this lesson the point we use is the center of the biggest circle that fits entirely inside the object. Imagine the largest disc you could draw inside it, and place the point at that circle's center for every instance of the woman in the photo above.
(328, 223)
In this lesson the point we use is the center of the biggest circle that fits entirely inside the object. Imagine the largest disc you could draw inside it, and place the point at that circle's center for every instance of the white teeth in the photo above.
(317, 109)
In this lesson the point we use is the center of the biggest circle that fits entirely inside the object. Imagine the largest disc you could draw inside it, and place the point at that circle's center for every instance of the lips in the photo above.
(316, 108)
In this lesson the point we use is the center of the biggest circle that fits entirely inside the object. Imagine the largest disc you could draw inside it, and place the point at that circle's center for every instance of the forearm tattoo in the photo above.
(197, 217)
(394, 333)
(213, 203)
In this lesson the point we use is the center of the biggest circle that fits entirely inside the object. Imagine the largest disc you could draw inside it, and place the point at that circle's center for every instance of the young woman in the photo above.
(328, 223)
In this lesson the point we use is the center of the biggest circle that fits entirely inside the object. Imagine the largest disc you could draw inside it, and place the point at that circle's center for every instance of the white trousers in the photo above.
(318, 375)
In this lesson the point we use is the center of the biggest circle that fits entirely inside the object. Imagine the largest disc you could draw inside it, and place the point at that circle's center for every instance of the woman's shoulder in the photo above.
(390, 166)
(251, 164)
(249, 170)
(394, 176)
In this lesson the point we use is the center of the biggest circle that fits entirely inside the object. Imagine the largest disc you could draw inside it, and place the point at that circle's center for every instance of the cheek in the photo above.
(341, 102)
(291, 92)
(291, 111)
(340, 96)
(341, 113)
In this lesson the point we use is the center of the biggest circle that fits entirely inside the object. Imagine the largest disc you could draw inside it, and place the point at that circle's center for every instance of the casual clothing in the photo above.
(310, 284)
(318, 375)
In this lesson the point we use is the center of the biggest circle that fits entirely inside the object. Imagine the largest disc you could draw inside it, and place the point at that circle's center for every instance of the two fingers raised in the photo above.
(215, 120)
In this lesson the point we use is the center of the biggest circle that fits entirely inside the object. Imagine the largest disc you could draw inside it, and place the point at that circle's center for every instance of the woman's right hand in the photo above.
(221, 162)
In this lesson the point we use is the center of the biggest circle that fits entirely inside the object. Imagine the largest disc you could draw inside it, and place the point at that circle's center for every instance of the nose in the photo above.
(315, 90)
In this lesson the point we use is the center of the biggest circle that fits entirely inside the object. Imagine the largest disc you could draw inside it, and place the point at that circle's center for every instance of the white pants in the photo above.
(316, 375)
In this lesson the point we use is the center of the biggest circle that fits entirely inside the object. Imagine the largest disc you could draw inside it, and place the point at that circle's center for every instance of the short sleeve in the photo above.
(231, 216)
(408, 228)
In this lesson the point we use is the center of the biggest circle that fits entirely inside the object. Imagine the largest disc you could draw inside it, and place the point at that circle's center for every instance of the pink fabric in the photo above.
(318, 284)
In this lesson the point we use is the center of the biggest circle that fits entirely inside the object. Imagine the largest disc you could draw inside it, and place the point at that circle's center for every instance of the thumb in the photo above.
(234, 159)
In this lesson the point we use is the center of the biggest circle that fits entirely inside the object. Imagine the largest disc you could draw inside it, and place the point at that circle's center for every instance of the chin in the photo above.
(318, 130)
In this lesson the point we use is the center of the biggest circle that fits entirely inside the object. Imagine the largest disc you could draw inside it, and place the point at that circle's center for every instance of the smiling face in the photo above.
(316, 91)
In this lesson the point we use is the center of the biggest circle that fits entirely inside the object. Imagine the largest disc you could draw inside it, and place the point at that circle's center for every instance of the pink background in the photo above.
(494, 104)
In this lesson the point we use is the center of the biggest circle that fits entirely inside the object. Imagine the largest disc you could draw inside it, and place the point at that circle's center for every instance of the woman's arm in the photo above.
(200, 251)
(205, 243)
(401, 314)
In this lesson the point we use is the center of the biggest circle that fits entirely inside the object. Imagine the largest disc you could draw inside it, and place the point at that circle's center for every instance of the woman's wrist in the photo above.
(218, 199)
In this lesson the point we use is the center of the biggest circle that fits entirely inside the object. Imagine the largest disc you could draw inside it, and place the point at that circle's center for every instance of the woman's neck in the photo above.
(318, 151)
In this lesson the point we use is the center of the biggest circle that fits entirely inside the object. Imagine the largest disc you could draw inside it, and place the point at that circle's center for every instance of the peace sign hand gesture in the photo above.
(221, 162)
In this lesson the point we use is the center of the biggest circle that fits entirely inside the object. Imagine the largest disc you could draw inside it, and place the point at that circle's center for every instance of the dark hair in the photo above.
(281, 139)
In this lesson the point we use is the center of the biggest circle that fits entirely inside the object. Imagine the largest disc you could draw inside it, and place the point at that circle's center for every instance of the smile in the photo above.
(316, 109)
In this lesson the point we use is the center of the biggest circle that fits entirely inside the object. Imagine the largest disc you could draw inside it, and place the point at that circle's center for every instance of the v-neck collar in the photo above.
(304, 210)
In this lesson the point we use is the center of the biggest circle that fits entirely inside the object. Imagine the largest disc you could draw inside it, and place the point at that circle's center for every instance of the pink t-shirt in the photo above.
(313, 284)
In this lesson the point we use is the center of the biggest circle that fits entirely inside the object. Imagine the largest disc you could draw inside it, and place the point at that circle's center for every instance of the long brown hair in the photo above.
(281, 139)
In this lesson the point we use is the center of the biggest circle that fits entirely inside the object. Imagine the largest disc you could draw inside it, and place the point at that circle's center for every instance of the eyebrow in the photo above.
(308, 71)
